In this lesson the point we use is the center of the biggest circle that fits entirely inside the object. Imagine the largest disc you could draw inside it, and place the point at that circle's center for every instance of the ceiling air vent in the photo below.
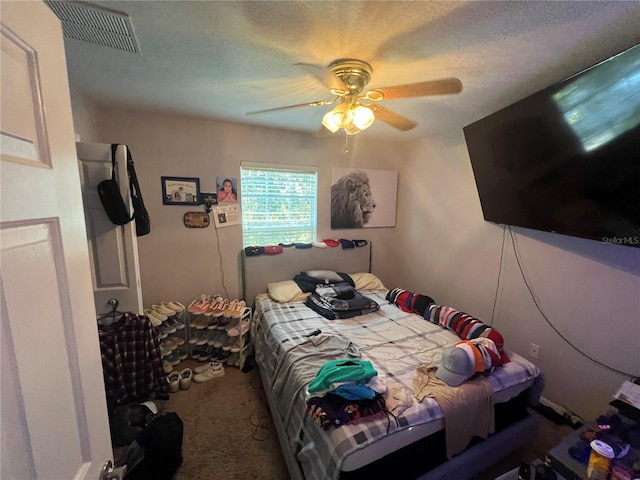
(88, 23)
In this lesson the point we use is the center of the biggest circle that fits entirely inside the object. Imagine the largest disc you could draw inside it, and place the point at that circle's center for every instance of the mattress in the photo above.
(395, 342)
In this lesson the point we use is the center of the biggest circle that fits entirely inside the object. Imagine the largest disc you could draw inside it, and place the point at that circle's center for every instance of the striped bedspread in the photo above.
(395, 342)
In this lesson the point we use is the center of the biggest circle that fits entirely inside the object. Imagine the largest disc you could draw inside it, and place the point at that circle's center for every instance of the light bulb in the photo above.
(341, 115)
(328, 122)
(363, 117)
(351, 129)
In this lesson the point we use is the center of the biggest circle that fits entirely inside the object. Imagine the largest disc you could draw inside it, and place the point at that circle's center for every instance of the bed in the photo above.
(411, 445)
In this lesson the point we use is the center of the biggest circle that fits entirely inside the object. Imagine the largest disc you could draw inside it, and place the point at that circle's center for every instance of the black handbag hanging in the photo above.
(109, 192)
(140, 214)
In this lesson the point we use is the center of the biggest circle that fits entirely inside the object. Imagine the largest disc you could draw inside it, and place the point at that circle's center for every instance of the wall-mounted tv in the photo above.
(566, 159)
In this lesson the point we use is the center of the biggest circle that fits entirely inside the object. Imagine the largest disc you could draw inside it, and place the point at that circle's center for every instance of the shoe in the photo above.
(214, 365)
(167, 367)
(209, 374)
(180, 353)
(154, 317)
(163, 310)
(241, 328)
(238, 310)
(175, 306)
(219, 340)
(221, 356)
(212, 323)
(194, 336)
(223, 322)
(177, 340)
(173, 322)
(172, 359)
(185, 379)
(231, 360)
(218, 308)
(173, 379)
(205, 353)
(165, 329)
(200, 337)
(228, 344)
(200, 322)
(198, 307)
(168, 344)
(231, 308)
(236, 346)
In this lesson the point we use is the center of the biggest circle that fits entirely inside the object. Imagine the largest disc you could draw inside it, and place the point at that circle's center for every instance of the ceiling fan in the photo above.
(356, 108)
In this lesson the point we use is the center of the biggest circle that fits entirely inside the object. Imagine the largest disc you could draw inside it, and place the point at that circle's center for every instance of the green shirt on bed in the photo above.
(343, 370)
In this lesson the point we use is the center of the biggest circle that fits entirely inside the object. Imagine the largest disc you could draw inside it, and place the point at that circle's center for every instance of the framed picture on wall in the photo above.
(363, 198)
(180, 191)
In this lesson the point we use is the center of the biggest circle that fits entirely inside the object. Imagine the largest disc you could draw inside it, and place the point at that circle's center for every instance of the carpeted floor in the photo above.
(229, 434)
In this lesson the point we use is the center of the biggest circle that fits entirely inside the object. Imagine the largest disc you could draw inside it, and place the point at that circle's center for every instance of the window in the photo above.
(279, 204)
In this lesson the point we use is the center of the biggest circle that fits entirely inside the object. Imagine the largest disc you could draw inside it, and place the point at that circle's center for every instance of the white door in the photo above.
(113, 249)
(54, 422)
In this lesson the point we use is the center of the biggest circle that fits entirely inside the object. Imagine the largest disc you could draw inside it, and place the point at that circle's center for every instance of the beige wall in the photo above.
(180, 263)
(441, 246)
(589, 291)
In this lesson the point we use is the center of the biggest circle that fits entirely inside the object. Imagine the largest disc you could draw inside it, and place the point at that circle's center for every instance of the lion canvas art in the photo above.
(363, 198)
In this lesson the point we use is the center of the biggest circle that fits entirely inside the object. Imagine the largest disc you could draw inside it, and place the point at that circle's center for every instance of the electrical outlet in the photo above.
(534, 350)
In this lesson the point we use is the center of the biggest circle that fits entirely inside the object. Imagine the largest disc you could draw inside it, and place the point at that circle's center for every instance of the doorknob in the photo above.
(109, 472)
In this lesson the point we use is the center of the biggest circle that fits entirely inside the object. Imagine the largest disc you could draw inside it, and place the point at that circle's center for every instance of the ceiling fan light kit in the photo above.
(346, 78)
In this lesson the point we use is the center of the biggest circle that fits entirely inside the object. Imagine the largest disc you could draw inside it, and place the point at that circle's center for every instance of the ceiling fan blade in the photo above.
(392, 118)
(323, 74)
(319, 103)
(421, 89)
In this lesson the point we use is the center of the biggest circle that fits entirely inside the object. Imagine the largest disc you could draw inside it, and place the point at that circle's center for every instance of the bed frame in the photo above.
(258, 271)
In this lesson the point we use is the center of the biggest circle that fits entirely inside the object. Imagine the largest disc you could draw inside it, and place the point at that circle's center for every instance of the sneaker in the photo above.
(175, 306)
(231, 360)
(219, 340)
(167, 367)
(200, 337)
(231, 308)
(177, 340)
(185, 379)
(231, 341)
(172, 358)
(163, 310)
(219, 308)
(175, 323)
(173, 379)
(206, 366)
(205, 353)
(200, 323)
(209, 374)
(238, 310)
(180, 353)
(221, 356)
(236, 346)
(240, 328)
(154, 317)
(198, 307)
(168, 344)
(166, 329)
(194, 336)
(223, 322)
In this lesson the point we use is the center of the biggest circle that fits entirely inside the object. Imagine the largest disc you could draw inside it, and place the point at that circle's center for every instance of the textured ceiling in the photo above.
(221, 59)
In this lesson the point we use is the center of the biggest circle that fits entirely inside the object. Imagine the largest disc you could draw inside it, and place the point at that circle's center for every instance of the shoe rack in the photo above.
(209, 340)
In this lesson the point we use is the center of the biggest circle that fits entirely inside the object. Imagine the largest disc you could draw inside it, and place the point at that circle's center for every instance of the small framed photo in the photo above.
(180, 191)
(208, 198)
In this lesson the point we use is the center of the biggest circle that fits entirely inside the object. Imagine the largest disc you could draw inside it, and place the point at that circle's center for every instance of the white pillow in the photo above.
(367, 281)
(286, 291)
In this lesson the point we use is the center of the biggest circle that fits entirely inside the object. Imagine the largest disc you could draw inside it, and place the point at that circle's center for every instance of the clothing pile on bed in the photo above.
(345, 391)
(333, 295)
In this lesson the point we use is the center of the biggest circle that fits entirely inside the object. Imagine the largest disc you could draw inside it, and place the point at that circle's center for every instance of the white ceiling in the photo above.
(221, 59)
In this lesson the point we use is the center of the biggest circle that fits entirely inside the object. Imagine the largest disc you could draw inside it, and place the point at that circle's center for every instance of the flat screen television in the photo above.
(566, 159)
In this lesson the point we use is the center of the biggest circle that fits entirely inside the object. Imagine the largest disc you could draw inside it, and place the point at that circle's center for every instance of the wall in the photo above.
(590, 292)
(178, 263)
